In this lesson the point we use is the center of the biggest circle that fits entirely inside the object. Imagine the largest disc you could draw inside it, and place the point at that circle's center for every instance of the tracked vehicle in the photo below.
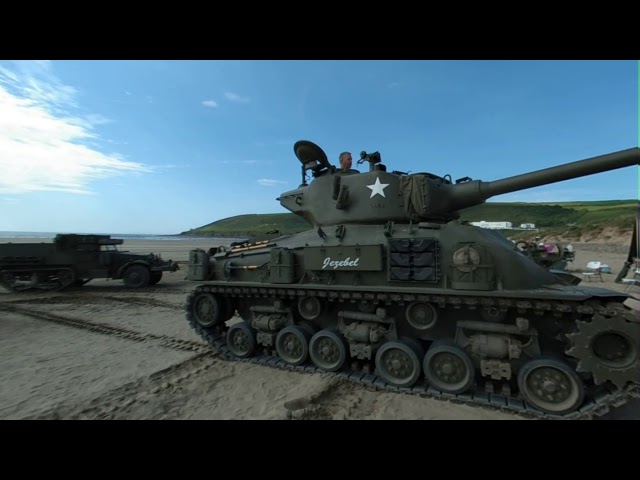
(73, 259)
(390, 288)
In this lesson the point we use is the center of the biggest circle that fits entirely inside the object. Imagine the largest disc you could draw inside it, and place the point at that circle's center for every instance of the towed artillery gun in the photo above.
(73, 259)
(389, 288)
(547, 254)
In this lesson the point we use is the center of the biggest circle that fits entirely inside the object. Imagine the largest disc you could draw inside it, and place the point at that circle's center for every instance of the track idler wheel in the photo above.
(208, 309)
(551, 386)
(448, 368)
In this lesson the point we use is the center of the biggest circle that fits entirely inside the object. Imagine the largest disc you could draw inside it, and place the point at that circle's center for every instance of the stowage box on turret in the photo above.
(73, 259)
(390, 289)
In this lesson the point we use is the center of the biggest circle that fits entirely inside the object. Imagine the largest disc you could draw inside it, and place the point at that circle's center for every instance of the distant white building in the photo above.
(528, 225)
(493, 225)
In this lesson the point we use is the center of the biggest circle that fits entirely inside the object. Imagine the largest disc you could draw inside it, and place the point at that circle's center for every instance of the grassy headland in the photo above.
(574, 221)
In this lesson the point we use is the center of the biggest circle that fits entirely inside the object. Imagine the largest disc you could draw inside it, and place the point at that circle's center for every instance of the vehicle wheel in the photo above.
(551, 386)
(241, 340)
(292, 344)
(328, 350)
(448, 368)
(398, 364)
(136, 276)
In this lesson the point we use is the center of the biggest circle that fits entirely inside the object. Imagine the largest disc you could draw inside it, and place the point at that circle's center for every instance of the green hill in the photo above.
(251, 225)
(567, 219)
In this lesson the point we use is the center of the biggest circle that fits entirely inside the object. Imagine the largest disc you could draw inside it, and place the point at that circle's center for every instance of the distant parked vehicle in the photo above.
(73, 259)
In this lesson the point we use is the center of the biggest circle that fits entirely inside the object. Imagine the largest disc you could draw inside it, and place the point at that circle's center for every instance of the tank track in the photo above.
(599, 403)
(7, 279)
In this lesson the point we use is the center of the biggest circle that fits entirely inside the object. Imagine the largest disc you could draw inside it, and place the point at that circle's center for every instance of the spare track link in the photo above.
(599, 404)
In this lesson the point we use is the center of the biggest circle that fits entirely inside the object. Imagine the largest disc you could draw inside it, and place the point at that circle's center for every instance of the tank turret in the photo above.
(378, 196)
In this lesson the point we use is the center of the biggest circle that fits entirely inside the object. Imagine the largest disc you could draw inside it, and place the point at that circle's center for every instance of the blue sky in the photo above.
(164, 146)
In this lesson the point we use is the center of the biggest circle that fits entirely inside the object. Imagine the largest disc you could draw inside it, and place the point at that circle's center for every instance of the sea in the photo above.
(137, 236)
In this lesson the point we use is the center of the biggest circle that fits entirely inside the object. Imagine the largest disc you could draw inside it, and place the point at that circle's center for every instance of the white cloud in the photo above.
(248, 162)
(268, 182)
(234, 97)
(42, 145)
(210, 103)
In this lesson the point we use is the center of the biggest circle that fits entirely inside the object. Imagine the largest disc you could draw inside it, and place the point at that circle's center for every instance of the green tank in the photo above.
(389, 288)
(73, 259)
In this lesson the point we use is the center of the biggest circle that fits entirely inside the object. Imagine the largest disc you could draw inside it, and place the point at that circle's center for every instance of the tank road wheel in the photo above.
(398, 364)
(551, 386)
(448, 368)
(208, 310)
(241, 340)
(292, 344)
(608, 349)
(136, 276)
(328, 350)
(155, 278)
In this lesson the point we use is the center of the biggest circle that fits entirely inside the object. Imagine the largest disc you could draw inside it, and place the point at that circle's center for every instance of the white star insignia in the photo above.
(377, 188)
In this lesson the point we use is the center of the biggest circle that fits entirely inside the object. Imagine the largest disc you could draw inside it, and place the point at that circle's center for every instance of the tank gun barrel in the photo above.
(581, 168)
(468, 194)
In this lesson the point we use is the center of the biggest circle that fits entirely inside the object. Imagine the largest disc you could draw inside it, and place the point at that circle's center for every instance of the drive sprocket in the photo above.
(607, 347)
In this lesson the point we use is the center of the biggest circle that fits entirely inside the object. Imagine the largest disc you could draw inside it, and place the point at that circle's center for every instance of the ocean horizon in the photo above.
(138, 236)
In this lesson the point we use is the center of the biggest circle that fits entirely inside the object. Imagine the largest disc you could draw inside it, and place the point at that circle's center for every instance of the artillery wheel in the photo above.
(136, 276)
(448, 368)
(398, 364)
(241, 340)
(207, 310)
(292, 344)
(328, 350)
(551, 386)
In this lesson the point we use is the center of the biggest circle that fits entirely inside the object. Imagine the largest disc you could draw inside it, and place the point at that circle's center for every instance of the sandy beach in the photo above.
(102, 351)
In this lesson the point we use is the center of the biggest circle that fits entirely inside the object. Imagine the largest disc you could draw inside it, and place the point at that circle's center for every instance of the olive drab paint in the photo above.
(390, 282)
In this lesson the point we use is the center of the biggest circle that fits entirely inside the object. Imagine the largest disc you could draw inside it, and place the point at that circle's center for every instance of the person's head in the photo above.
(345, 160)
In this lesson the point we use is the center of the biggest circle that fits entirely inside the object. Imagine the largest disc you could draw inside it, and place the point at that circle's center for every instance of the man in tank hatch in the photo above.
(346, 161)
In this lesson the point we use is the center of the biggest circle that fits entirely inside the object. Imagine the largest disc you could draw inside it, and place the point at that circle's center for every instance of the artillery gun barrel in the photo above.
(475, 192)
(581, 168)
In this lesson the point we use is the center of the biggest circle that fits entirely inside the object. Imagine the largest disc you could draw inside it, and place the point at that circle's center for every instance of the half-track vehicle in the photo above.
(389, 288)
(73, 259)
